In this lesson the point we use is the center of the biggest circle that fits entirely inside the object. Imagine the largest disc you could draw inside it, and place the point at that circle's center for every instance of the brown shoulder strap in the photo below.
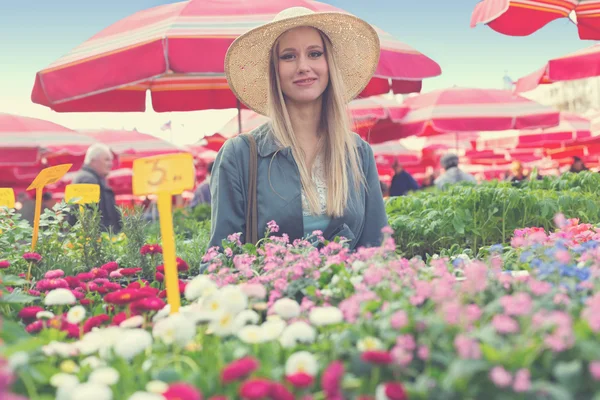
(252, 210)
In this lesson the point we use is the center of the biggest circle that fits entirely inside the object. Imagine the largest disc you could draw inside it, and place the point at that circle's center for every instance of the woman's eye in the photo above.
(316, 54)
(287, 56)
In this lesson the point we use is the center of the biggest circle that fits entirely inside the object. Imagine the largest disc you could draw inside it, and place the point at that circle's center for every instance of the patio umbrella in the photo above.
(524, 17)
(129, 145)
(176, 51)
(581, 64)
(24, 141)
(464, 110)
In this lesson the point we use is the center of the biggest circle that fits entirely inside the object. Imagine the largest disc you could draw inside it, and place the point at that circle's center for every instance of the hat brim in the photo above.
(356, 48)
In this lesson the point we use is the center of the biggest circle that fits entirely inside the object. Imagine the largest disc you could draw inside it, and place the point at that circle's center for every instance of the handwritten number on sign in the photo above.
(162, 171)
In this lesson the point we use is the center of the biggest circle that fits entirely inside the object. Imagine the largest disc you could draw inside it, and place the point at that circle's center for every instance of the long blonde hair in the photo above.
(340, 145)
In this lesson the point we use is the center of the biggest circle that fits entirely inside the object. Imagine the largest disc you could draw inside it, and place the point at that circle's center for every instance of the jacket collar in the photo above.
(266, 143)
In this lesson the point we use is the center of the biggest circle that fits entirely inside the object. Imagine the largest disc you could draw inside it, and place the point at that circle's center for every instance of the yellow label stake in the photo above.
(85, 193)
(7, 197)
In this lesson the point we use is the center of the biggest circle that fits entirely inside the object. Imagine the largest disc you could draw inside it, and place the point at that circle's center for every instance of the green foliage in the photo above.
(135, 231)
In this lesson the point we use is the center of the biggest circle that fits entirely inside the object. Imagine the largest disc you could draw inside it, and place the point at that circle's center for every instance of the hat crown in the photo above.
(293, 12)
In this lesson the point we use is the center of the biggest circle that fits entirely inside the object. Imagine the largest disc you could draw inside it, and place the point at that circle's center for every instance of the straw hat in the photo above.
(355, 46)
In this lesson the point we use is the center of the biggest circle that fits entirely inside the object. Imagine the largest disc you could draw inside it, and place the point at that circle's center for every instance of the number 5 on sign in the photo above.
(165, 176)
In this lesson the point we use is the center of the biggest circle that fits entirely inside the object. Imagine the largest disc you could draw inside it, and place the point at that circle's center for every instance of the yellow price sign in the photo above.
(172, 173)
(85, 193)
(165, 176)
(7, 197)
(49, 175)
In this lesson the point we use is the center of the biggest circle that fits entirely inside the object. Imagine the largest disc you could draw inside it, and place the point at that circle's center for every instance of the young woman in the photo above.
(314, 173)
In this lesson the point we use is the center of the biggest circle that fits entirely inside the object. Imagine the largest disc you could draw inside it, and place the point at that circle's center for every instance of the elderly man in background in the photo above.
(96, 166)
(452, 174)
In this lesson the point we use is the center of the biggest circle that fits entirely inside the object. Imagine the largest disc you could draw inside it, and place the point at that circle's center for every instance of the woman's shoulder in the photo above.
(363, 147)
(240, 142)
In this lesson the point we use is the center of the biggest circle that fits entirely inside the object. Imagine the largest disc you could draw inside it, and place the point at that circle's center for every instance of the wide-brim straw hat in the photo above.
(355, 44)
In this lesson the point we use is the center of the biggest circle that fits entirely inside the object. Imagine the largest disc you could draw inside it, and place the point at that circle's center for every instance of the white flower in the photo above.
(358, 265)
(223, 324)
(251, 334)
(320, 316)
(132, 343)
(44, 315)
(92, 362)
(301, 362)
(286, 308)
(62, 379)
(272, 329)
(87, 391)
(175, 329)
(199, 287)
(327, 292)
(162, 313)
(76, 315)
(212, 303)
(60, 349)
(59, 297)
(99, 340)
(233, 299)
(369, 344)
(157, 387)
(380, 392)
(145, 396)
(355, 280)
(246, 317)
(335, 279)
(134, 322)
(104, 376)
(301, 332)
(18, 360)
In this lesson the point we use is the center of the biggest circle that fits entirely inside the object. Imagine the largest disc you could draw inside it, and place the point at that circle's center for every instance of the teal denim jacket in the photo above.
(279, 195)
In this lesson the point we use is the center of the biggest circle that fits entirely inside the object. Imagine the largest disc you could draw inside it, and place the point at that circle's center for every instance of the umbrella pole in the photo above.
(239, 107)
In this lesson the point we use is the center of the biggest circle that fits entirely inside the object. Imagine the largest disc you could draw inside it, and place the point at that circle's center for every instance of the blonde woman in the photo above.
(314, 173)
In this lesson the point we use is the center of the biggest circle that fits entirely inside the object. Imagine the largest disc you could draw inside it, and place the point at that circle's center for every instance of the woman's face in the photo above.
(303, 69)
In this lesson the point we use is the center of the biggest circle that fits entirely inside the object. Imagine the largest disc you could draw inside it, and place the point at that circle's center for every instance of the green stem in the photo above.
(29, 385)
(374, 379)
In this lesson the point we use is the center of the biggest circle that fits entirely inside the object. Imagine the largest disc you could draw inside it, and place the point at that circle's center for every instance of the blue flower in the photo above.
(525, 255)
(497, 248)
(583, 273)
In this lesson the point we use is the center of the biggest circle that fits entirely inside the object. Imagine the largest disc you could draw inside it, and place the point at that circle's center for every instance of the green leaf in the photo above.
(569, 373)
(557, 392)
(460, 371)
(17, 297)
(311, 291)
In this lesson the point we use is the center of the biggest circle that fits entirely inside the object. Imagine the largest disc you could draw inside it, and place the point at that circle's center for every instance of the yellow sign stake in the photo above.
(86, 193)
(165, 176)
(7, 197)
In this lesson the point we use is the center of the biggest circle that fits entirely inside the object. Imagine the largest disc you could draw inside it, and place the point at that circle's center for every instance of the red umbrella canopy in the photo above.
(25, 140)
(177, 52)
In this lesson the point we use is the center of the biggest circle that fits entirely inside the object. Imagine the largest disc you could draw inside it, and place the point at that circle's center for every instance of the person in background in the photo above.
(96, 166)
(402, 182)
(385, 190)
(452, 174)
(47, 201)
(202, 193)
(517, 173)
(578, 165)
(428, 180)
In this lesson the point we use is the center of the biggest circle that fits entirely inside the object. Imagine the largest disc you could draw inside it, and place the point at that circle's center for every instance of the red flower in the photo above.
(4, 264)
(73, 282)
(78, 295)
(33, 292)
(146, 304)
(163, 294)
(110, 266)
(182, 266)
(182, 286)
(71, 329)
(28, 314)
(85, 276)
(35, 327)
(130, 271)
(182, 391)
(218, 398)
(112, 286)
(122, 296)
(300, 380)
(138, 284)
(85, 302)
(150, 249)
(95, 322)
(280, 392)
(159, 277)
(101, 281)
(239, 369)
(377, 357)
(33, 257)
(395, 391)
(51, 284)
(54, 274)
(99, 273)
(255, 389)
(120, 317)
(331, 378)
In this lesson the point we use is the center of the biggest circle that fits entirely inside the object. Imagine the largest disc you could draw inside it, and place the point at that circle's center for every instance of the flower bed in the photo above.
(289, 321)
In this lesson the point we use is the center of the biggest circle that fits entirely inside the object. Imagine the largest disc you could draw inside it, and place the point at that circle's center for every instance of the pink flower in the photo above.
(467, 348)
(130, 271)
(377, 357)
(255, 389)
(150, 249)
(331, 378)
(279, 392)
(254, 290)
(116, 274)
(594, 368)
(182, 391)
(239, 369)
(505, 324)
(147, 304)
(4, 264)
(522, 381)
(399, 320)
(563, 256)
(28, 314)
(272, 227)
(54, 274)
(95, 322)
(423, 352)
(110, 266)
(32, 257)
(300, 380)
(407, 342)
(500, 377)
(476, 277)
(539, 288)
(402, 356)
(519, 304)
(395, 391)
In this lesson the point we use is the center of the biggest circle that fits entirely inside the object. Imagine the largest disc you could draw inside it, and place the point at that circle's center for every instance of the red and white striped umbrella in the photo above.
(24, 141)
(524, 17)
(572, 127)
(177, 51)
(581, 64)
(463, 110)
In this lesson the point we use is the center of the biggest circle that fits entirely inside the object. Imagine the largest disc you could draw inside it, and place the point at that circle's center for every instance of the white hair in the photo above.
(94, 151)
